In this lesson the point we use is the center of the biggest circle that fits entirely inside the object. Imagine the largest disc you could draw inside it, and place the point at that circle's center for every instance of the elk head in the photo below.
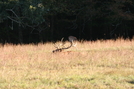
(60, 49)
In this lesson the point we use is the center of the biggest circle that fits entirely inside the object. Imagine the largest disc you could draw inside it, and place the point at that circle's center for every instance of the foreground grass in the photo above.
(93, 65)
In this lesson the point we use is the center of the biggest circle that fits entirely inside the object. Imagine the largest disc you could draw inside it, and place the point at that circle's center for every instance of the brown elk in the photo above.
(60, 49)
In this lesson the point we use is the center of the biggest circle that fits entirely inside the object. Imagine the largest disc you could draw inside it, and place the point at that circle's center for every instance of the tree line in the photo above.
(33, 21)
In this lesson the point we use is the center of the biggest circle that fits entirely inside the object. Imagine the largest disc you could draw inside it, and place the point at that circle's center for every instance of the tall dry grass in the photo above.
(92, 65)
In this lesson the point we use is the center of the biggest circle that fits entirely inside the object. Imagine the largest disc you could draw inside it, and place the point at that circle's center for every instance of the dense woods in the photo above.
(33, 21)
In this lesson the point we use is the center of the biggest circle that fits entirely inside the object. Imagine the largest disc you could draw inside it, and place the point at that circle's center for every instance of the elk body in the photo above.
(60, 49)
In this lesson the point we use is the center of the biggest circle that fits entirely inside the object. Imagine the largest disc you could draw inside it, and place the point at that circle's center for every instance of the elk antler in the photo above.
(62, 48)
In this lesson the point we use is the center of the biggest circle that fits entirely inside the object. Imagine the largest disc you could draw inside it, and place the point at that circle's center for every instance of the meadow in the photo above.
(102, 64)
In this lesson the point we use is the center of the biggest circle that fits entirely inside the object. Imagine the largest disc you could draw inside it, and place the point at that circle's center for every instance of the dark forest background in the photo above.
(33, 21)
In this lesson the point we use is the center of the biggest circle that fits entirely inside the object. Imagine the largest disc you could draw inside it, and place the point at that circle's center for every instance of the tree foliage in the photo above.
(24, 21)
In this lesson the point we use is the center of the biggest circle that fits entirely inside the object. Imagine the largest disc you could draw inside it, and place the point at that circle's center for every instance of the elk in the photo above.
(60, 49)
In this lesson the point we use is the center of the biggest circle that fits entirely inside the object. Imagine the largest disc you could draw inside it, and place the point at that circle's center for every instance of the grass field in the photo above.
(92, 65)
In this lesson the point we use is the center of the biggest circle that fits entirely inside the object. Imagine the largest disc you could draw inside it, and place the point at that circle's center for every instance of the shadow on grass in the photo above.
(132, 82)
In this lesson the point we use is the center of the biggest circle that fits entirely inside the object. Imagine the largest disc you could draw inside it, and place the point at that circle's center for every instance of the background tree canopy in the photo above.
(33, 21)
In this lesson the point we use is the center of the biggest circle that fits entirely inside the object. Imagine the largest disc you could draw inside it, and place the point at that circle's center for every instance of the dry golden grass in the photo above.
(92, 65)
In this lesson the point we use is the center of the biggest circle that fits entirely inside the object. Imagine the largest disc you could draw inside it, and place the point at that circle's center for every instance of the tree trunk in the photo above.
(51, 26)
(20, 35)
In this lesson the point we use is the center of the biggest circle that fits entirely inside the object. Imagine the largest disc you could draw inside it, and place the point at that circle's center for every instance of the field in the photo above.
(91, 65)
